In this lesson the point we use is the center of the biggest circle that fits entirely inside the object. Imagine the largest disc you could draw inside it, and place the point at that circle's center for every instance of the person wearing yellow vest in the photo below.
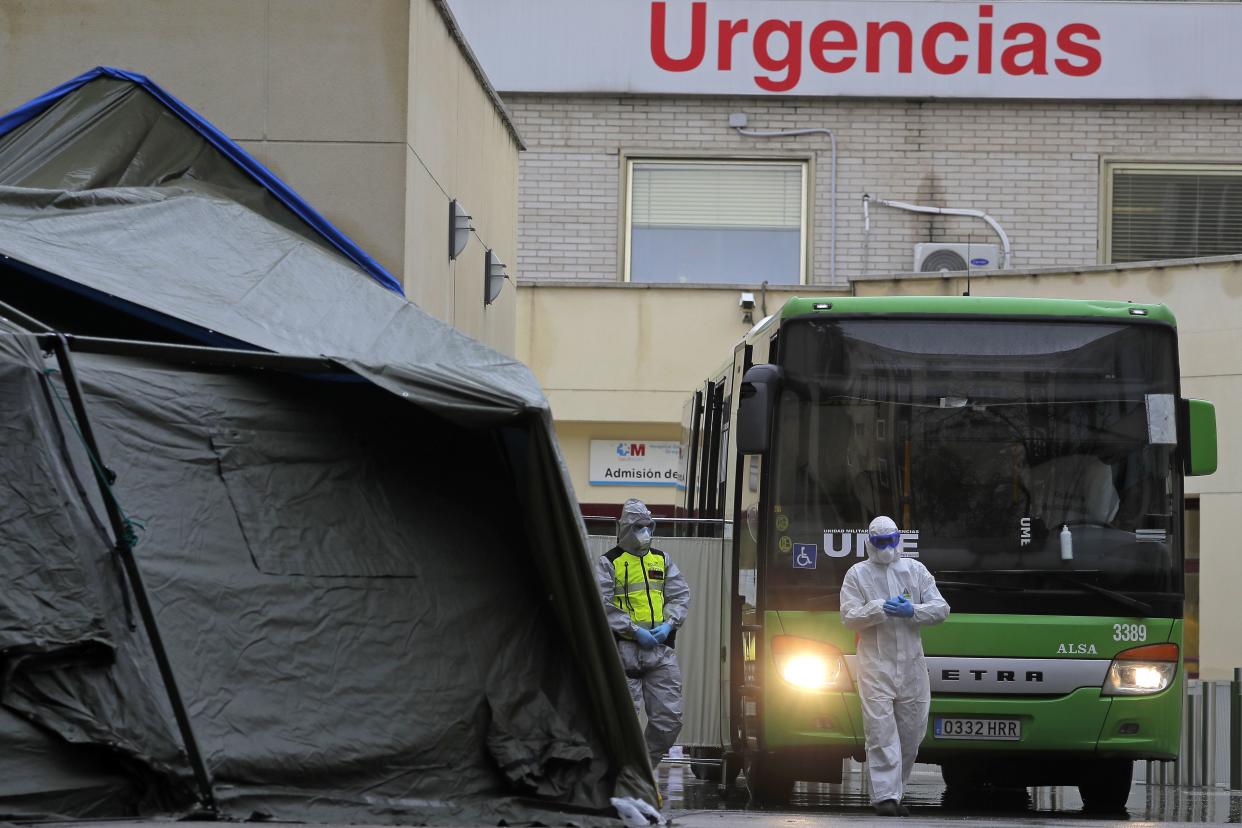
(646, 600)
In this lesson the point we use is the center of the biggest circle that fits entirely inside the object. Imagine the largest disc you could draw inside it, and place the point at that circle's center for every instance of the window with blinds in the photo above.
(1173, 211)
(716, 221)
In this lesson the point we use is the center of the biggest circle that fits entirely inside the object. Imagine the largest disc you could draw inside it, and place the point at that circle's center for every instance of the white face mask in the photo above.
(643, 536)
(883, 556)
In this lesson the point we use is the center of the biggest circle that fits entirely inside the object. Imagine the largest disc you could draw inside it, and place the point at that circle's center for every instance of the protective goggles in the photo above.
(649, 525)
(888, 541)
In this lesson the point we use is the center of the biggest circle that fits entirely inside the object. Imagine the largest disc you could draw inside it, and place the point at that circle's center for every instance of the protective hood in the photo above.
(883, 527)
(635, 526)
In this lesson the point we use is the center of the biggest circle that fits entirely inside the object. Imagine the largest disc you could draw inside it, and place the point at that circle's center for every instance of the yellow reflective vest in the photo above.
(638, 585)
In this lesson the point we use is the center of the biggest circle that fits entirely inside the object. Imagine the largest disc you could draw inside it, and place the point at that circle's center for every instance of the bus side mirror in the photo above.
(1201, 432)
(760, 387)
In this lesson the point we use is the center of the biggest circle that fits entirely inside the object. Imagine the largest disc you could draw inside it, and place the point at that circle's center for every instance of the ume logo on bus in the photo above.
(838, 543)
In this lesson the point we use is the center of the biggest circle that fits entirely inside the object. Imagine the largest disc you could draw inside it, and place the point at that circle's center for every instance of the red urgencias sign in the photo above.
(1056, 49)
(784, 48)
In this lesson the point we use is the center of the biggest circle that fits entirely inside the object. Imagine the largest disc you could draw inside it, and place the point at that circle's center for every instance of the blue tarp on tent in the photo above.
(261, 174)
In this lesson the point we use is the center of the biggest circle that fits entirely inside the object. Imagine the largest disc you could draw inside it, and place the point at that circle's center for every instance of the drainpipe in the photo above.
(1007, 252)
(737, 120)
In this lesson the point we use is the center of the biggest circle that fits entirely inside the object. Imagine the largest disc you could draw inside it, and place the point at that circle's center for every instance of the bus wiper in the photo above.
(829, 594)
(1119, 597)
(977, 585)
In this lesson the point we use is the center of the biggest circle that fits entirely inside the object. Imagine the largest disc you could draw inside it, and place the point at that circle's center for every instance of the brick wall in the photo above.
(1034, 166)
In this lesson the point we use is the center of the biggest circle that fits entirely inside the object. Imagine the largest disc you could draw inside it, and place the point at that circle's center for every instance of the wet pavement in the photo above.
(693, 803)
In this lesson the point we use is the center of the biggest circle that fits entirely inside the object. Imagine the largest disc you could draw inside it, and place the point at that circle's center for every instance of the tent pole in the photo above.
(24, 319)
(124, 547)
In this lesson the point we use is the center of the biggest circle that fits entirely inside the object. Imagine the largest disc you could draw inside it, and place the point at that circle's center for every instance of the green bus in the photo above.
(1033, 452)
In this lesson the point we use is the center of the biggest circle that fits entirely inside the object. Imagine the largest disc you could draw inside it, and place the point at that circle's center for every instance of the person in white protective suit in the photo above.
(886, 598)
(646, 599)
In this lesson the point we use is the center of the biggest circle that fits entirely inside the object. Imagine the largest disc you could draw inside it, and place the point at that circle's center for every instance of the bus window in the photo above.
(984, 440)
(722, 473)
(691, 427)
(705, 440)
(711, 481)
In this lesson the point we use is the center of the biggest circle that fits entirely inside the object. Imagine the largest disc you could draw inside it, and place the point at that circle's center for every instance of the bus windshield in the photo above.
(1031, 464)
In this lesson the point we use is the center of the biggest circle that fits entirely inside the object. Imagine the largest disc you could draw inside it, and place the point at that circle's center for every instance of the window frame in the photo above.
(629, 159)
(1108, 167)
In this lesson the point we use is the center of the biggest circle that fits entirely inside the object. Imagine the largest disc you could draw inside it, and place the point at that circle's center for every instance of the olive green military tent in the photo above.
(276, 542)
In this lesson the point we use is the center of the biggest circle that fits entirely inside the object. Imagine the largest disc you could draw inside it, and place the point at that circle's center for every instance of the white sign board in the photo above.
(635, 463)
(1076, 50)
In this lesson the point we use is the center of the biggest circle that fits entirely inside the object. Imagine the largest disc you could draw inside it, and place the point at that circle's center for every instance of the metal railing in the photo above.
(659, 520)
(717, 523)
(1211, 749)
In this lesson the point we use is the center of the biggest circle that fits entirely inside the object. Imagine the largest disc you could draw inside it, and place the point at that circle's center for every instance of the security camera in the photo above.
(747, 303)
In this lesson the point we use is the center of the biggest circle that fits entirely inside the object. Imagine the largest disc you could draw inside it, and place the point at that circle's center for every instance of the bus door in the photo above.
(737, 493)
(746, 512)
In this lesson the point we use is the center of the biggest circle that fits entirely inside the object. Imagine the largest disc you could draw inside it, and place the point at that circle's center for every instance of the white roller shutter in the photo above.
(710, 194)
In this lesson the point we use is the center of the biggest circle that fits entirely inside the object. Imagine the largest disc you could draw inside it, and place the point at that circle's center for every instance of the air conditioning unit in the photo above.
(938, 256)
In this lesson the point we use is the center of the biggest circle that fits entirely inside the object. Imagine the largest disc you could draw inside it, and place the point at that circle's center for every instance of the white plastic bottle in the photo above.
(1067, 544)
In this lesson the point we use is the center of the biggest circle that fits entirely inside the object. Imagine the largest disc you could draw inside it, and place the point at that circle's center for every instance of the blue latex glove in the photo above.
(899, 607)
(661, 633)
(644, 638)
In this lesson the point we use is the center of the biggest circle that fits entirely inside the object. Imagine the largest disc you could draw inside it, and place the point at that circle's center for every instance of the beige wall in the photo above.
(619, 361)
(625, 352)
(369, 109)
(460, 148)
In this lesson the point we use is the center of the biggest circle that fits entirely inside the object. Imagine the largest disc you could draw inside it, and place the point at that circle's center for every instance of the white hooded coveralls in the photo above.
(892, 673)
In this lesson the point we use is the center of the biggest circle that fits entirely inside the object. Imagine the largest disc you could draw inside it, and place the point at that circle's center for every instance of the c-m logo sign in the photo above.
(632, 450)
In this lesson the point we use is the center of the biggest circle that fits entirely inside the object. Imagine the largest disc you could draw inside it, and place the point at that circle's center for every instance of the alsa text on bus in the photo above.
(835, 46)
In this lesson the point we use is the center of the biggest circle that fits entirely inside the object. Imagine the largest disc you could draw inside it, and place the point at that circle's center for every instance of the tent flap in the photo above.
(49, 606)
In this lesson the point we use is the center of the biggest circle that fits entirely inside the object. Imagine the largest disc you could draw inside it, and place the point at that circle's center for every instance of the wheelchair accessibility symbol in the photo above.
(804, 555)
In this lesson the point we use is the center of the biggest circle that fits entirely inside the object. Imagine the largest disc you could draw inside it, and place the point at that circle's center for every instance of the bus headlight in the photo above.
(1141, 671)
(809, 665)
